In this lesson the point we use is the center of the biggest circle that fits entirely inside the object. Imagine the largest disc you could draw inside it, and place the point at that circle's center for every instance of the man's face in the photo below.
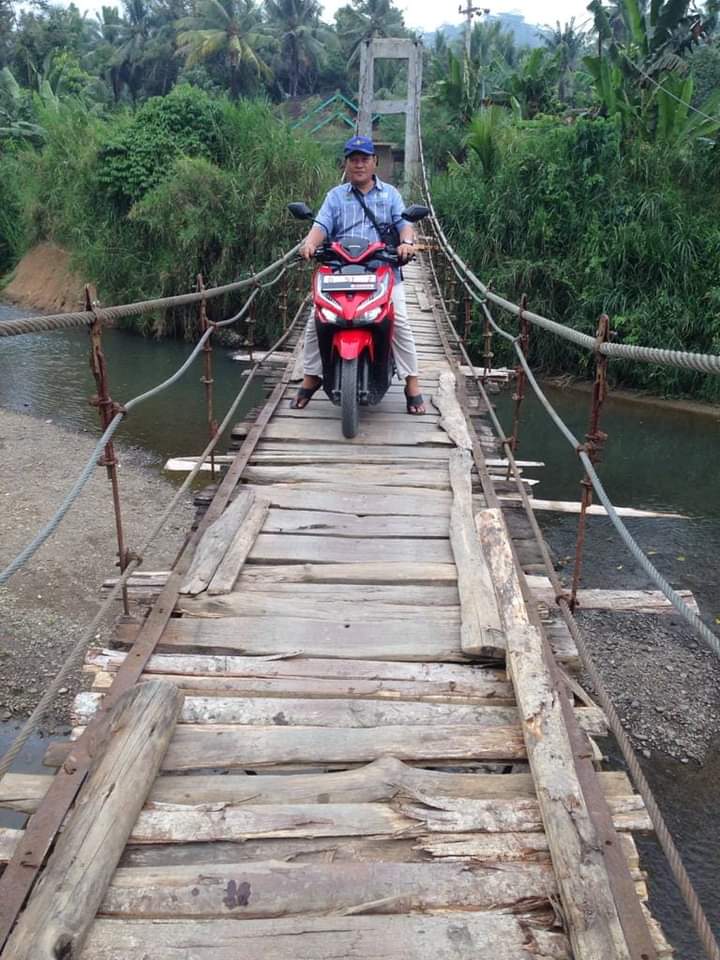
(359, 168)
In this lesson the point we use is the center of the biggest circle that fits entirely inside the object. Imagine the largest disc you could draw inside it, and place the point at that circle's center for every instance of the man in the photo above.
(341, 216)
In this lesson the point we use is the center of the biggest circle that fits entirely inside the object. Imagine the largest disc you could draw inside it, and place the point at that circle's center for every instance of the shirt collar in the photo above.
(378, 185)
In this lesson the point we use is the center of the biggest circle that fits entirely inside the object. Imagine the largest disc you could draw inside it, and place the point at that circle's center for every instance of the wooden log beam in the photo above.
(61, 909)
(452, 419)
(481, 633)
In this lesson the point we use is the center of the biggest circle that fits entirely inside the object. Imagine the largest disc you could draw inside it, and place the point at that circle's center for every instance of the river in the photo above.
(655, 458)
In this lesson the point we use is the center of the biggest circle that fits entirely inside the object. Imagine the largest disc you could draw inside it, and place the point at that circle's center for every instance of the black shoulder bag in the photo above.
(388, 232)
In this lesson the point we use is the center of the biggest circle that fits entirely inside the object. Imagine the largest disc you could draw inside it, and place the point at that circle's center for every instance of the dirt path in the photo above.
(45, 606)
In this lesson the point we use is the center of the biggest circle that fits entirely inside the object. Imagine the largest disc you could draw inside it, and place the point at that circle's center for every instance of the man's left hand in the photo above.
(406, 251)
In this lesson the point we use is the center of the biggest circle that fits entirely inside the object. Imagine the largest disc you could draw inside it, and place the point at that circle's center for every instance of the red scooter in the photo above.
(354, 317)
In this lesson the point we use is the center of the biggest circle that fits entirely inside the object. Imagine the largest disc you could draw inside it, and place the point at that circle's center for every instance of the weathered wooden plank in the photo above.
(263, 636)
(482, 629)
(464, 936)
(9, 839)
(340, 712)
(215, 542)
(428, 595)
(21, 791)
(61, 908)
(380, 474)
(362, 500)
(239, 549)
(376, 572)
(399, 434)
(271, 889)
(305, 548)
(452, 419)
(340, 453)
(254, 604)
(328, 411)
(595, 509)
(617, 601)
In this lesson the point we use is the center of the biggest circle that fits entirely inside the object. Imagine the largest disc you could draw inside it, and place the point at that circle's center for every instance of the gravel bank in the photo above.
(45, 606)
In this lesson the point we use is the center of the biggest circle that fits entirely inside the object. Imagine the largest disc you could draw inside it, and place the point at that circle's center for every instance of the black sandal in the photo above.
(413, 404)
(304, 394)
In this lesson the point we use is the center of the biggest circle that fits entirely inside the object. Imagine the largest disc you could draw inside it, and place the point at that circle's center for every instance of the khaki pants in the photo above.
(403, 342)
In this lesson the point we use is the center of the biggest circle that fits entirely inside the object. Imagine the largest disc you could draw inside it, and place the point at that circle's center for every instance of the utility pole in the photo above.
(469, 12)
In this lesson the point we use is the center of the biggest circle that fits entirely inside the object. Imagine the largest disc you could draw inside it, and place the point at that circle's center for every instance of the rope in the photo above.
(699, 362)
(47, 531)
(77, 653)
(692, 901)
(65, 321)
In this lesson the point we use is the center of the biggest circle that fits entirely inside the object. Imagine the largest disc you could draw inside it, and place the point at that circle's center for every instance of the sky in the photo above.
(429, 14)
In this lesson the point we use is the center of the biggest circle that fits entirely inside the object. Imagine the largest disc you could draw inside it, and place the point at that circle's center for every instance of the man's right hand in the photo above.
(308, 248)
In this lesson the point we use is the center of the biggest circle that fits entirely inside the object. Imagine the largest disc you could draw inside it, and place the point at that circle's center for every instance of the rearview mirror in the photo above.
(415, 212)
(301, 211)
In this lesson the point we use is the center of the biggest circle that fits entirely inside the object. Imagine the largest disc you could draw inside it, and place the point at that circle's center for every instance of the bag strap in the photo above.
(370, 215)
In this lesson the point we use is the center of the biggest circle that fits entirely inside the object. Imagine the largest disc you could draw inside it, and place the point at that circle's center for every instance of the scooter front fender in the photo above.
(351, 343)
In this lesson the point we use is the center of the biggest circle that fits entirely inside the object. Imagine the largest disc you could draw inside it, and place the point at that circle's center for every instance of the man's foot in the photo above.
(414, 402)
(305, 393)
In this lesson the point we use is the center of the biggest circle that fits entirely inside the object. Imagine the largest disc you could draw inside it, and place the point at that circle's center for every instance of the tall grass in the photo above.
(586, 224)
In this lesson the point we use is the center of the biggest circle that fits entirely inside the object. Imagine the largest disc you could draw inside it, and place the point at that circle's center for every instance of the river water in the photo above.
(656, 458)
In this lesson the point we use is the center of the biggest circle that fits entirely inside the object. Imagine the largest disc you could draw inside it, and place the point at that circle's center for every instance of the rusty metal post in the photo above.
(250, 323)
(207, 378)
(284, 301)
(488, 354)
(468, 317)
(107, 410)
(519, 395)
(594, 440)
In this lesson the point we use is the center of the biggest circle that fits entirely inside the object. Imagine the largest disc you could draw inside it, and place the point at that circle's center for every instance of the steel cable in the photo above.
(77, 653)
(672, 854)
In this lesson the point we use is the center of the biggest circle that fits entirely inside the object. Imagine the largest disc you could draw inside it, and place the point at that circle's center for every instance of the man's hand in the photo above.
(406, 251)
(308, 248)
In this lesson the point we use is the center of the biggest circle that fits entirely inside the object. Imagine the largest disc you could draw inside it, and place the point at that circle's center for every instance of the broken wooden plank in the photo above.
(229, 568)
(616, 601)
(482, 630)
(215, 542)
(61, 908)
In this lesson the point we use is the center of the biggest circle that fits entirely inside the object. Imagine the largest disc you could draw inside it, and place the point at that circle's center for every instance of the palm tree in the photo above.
(568, 44)
(231, 28)
(364, 19)
(296, 23)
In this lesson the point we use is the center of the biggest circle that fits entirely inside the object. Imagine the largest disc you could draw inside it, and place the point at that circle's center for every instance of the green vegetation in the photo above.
(152, 142)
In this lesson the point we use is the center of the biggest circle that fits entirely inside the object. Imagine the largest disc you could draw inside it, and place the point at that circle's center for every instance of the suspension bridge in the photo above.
(348, 721)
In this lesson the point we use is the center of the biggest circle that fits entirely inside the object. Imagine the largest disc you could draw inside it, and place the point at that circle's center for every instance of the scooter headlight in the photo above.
(372, 314)
(329, 315)
(380, 292)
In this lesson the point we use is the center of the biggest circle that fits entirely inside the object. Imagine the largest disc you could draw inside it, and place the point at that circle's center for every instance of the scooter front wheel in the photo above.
(349, 397)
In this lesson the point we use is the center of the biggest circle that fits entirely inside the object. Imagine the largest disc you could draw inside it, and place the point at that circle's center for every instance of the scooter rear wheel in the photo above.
(349, 398)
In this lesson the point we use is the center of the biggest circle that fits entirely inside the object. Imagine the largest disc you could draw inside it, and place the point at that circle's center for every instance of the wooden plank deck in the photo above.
(354, 773)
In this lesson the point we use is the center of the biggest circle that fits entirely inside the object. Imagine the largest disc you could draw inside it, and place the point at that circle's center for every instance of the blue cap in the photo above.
(359, 145)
